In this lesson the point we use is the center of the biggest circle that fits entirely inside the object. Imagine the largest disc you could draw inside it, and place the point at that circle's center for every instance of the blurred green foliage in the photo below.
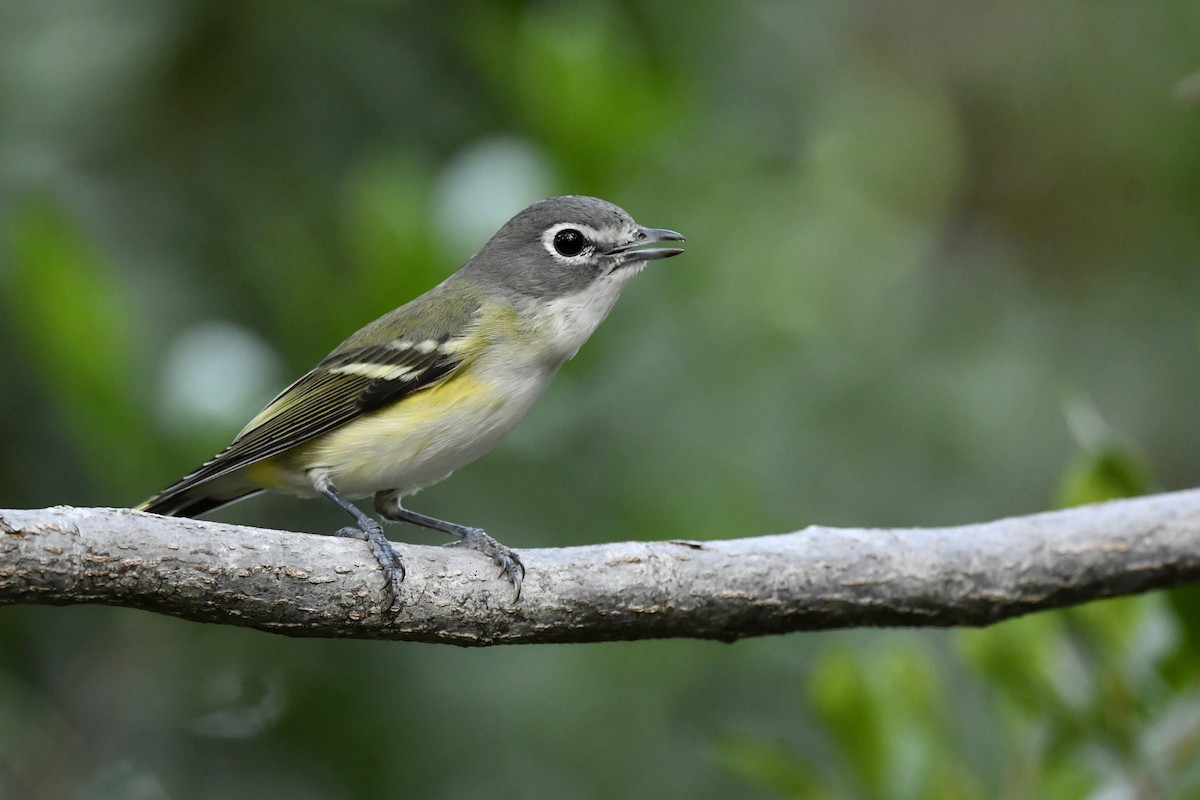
(942, 267)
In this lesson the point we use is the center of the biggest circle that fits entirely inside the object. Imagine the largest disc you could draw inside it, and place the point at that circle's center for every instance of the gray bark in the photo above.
(305, 585)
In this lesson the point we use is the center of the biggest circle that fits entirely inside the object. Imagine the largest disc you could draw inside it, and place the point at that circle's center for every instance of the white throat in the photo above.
(563, 324)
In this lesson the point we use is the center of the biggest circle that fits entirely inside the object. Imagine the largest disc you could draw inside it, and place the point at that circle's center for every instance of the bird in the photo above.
(436, 383)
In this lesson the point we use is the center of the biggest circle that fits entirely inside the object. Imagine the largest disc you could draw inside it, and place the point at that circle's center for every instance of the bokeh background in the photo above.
(942, 267)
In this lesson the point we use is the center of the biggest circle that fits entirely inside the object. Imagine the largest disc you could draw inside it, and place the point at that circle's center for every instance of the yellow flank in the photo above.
(271, 474)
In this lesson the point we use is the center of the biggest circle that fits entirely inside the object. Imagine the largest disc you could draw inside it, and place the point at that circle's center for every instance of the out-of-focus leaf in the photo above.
(771, 766)
(1063, 781)
(838, 689)
(1016, 654)
(891, 724)
(32, 734)
(124, 779)
(386, 228)
(1140, 627)
(1185, 600)
(71, 313)
(1106, 474)
(547, 60)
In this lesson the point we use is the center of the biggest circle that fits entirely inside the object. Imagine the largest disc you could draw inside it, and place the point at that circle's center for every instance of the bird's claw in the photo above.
(388, 560)
(508, 561)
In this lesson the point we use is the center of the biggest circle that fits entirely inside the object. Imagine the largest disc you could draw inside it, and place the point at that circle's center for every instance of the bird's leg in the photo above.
(388, 505)
(370, 531)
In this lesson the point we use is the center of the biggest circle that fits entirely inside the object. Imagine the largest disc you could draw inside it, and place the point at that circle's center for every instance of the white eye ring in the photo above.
(550, 240)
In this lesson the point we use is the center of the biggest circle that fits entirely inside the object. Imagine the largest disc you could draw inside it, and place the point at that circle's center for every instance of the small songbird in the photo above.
(436, 383)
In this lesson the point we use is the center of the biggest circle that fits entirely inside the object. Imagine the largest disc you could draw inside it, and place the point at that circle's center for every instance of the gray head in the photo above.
(564, 245)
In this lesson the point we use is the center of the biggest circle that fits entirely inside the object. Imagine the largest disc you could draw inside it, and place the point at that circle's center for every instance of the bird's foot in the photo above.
(385, 554)
(508, 561)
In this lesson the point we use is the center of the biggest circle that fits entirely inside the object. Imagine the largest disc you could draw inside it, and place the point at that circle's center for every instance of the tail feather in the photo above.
(185, 499)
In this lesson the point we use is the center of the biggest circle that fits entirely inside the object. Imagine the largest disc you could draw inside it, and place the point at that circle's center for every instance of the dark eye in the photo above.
(569, 242)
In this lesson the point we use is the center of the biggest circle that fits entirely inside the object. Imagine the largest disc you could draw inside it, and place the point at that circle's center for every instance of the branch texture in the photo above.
(305, 585)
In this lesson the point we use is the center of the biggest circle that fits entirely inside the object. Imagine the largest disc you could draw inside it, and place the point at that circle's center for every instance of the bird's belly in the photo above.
(421, 439)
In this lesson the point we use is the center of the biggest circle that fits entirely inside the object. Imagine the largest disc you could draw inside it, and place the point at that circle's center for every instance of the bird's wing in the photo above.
(394, 357)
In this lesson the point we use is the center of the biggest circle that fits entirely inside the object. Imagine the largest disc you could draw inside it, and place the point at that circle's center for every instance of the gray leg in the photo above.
(388, 505)
(372, 532)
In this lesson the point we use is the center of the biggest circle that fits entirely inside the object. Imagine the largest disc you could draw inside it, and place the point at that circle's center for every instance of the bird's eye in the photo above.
(569, 242)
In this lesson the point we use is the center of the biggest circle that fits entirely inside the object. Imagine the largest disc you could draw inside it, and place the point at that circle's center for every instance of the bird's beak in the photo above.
(636, 250)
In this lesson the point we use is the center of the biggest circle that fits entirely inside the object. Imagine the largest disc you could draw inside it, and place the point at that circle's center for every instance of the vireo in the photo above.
(436, 383)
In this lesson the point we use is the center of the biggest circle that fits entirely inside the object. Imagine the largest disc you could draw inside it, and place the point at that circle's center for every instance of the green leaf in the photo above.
(769, 765)
(78, 328)
(1110, 472)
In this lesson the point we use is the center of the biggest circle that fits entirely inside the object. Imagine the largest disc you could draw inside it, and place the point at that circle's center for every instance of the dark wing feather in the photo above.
(324, 398)
(426, 369)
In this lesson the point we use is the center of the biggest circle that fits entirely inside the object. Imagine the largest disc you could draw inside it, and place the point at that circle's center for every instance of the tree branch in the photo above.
(305, 585)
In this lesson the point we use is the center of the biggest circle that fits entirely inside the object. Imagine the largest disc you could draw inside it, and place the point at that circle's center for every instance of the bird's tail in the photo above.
(189, 498)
